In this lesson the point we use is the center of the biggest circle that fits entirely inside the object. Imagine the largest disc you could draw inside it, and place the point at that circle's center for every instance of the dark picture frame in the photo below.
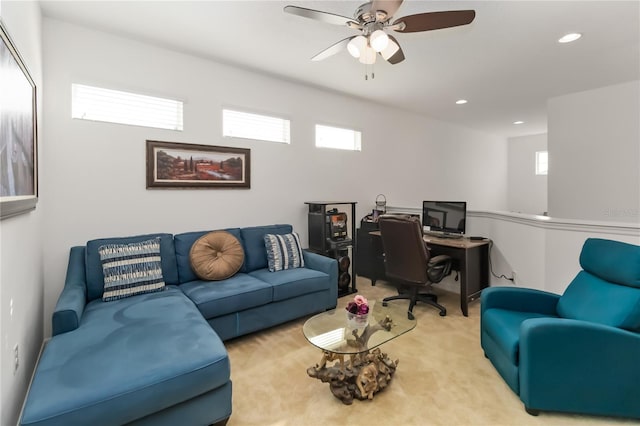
(184, 165)
(18, 132)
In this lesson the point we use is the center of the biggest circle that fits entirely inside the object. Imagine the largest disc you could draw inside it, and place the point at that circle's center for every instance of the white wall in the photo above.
(95, 180)
(543, 251)
(21, 270)
(526, 191)
(594, 154)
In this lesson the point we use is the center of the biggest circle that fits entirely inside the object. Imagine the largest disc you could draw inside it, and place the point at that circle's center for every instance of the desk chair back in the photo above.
(405, 254)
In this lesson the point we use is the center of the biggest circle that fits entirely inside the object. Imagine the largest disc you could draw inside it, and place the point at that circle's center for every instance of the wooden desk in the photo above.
(470, 259)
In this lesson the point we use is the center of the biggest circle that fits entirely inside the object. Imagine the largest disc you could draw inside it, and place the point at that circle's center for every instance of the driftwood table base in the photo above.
(360, 377)
(353, 366)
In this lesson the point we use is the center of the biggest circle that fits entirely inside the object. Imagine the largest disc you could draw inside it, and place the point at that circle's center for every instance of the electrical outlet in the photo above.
(16, 358)
(513, 277)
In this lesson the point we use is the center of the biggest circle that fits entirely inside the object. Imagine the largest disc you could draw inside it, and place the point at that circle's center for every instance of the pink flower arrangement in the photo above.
(359, 305)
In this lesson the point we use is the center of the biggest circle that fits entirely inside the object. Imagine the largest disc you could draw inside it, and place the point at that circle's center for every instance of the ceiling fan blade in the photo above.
(393, 52)
(329, 18)
(333, 49)
(435, 20)
(388, 6)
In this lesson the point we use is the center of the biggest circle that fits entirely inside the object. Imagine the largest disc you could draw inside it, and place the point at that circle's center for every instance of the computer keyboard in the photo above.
(443, 235)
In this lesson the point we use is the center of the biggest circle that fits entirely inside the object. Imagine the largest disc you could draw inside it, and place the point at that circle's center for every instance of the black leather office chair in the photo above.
(408, 263)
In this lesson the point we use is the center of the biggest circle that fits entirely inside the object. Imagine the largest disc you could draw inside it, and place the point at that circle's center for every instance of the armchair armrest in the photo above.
(578, 366)
(323, 264)
(519, 299)
(72, 300)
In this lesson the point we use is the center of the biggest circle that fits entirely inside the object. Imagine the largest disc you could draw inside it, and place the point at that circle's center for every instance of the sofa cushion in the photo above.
(95, 274)
(234, 294)
(293, 282)
(283, 251)
(216, 256)
(131, 269)
(589, 298)
(253, 241)
(183, 243)
(503, 326)
(120, 364)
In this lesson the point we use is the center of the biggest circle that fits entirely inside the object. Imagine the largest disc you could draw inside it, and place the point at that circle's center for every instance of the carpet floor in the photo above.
(443, 377)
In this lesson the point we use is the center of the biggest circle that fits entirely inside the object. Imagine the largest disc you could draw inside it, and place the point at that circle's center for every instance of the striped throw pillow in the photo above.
(131, 269)
(283, 251)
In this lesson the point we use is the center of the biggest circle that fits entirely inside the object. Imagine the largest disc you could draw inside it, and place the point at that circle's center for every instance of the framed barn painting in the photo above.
(182, 165)
(18, 134)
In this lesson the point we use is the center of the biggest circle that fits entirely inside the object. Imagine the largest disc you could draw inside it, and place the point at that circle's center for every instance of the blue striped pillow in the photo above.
(131, 269)
(283, 251)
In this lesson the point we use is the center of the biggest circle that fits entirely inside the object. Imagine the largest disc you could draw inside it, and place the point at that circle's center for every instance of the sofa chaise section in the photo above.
(129, 359)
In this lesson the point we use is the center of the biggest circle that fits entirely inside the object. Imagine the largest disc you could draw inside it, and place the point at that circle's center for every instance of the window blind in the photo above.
(114, 106)
(239, 124)
(338, 138)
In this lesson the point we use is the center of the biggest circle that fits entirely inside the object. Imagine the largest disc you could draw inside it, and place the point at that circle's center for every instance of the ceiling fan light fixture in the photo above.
(379, 40)
(391, 49)
(357, 45)
(368, 56)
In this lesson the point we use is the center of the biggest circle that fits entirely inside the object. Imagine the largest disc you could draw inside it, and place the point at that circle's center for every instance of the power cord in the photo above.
(491, 265)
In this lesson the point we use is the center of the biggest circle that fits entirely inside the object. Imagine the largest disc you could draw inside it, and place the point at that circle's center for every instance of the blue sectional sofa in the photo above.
(158, 358)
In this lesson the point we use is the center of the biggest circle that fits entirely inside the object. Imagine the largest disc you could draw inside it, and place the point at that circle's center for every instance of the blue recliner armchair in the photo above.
(579, 352)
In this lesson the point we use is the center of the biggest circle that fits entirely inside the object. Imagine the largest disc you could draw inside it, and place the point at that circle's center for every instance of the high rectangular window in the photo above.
(115, 106)
(239, 124)
(542, 162)
(338, 138)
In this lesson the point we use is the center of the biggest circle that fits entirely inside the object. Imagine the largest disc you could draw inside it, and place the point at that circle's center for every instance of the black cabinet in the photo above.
(370, 256)
(331, 234)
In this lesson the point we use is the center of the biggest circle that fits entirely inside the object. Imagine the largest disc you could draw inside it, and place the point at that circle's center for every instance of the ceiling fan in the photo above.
(373, 20)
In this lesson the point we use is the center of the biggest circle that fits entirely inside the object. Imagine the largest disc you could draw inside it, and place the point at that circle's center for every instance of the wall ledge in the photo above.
(546, 222)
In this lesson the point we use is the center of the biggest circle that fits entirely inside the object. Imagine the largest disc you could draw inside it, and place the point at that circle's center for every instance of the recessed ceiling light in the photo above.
(568, 38)
(461, 101)
(518, 122)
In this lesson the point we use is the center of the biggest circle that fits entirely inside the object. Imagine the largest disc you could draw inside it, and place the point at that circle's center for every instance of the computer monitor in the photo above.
(449, 217)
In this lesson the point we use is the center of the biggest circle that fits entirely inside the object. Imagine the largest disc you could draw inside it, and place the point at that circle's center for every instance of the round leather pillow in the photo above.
(216, 256)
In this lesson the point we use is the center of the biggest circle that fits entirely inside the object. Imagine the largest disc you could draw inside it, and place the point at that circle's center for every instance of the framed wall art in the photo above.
(182, 165)
(18, 132)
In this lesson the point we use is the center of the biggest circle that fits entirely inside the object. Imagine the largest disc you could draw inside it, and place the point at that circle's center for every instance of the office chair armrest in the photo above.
(438, 267)
(443, 258)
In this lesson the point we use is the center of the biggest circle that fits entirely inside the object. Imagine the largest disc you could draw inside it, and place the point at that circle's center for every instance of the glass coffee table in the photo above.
(367, 370)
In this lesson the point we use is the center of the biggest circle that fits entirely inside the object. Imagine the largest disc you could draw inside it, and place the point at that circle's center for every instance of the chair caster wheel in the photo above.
(443, 313)
(385, 304)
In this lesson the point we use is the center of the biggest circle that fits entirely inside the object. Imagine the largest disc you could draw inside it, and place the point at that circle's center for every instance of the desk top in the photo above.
(464, 243)
(454, 242)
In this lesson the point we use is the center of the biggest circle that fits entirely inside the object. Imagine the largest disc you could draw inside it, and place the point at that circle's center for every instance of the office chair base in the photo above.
(428, 298)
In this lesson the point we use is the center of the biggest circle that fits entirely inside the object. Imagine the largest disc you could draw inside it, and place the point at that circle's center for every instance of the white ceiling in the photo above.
(507, 63)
